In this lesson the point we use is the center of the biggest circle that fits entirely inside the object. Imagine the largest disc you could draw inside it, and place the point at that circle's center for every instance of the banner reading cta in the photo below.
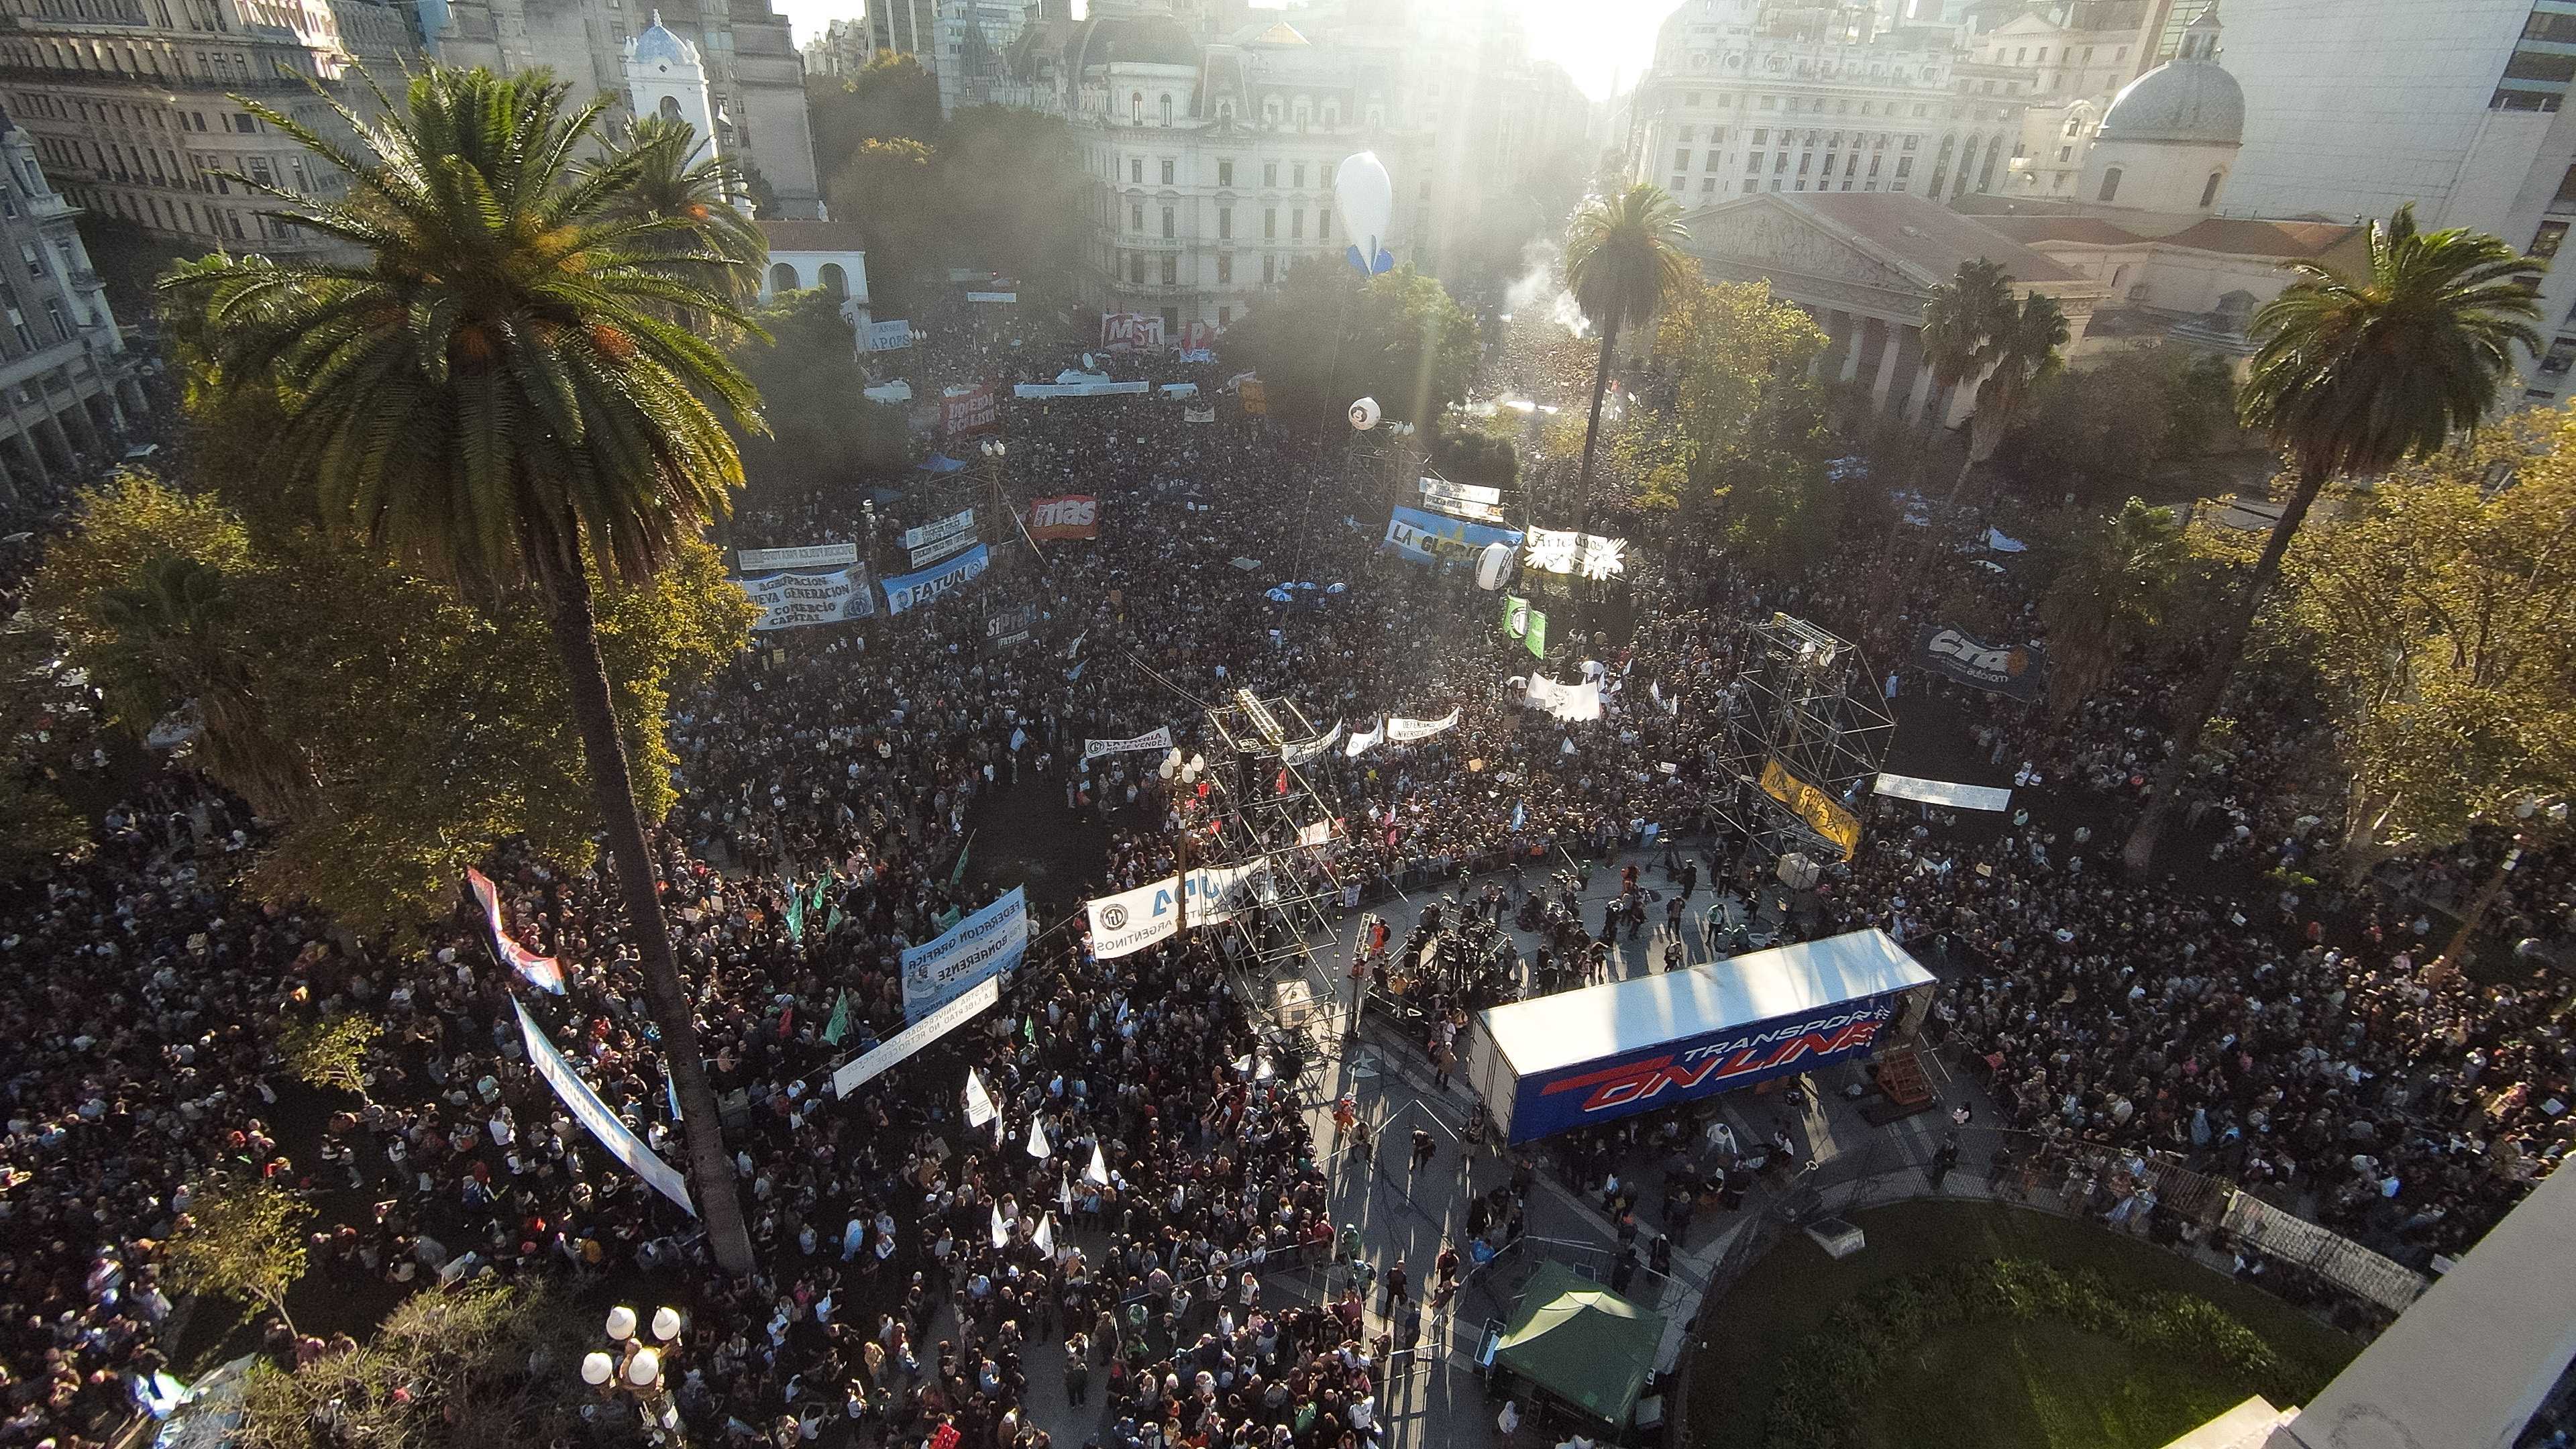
(1160, 739)
(1073, 515)
(1130, 921)
(1426, 536)
(593, 1114)
(2018, 670)
(911, 591)
(985, 944)
(791, 601)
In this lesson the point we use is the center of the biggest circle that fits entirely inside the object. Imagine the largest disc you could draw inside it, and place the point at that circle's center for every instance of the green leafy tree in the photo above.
(892, 97)
(1015, 195)
(391, 733)
(481, 1364)
(1623, 263)
(677, 185)
(2443, 620)
(892, 189)
(2108, 430)
(241, 1238)
(2355, 374)
(330, 1051)
(36, 823)
(1959, 319)
(1742, 448)
(822, 431)
(495, 393)
(1327, 335)
(2022, 352)
(2113, 580)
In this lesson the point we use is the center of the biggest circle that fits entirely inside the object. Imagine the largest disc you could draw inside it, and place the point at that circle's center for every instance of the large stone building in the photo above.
(841, 50)
(2355, 107)
(2078, 54)
(66, 385)
(1752, 96)
(754, 76)
(129, 106)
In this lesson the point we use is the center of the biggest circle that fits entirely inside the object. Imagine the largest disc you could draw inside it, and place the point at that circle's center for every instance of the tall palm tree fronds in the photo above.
(1623, 261)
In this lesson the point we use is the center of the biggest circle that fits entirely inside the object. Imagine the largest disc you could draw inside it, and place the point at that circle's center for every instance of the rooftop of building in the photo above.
(814, 236)
(1925, 234)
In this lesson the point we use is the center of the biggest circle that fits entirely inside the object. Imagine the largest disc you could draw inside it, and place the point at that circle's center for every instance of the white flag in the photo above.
(1098, 1171)
(1037, 1140)
(1064, 1193)
(1046, 1235)
(979, 1103)
(1243, 1064)
(1001, 1229)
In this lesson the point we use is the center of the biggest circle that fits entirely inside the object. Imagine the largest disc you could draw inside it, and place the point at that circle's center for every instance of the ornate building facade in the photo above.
(66, 384)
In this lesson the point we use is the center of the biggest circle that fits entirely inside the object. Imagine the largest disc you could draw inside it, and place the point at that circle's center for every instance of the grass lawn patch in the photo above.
(1790, 1292)
(1981, 1386)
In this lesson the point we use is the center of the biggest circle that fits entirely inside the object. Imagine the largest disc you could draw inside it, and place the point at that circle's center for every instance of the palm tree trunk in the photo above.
(2140, 852)
(710, 1168)
(1592, 428)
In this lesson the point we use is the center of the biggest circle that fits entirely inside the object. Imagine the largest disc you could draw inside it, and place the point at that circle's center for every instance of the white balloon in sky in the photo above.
(1366, 196)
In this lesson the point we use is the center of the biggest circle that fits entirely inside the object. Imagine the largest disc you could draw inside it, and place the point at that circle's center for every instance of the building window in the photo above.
(1298, 176)
(2209, 191)
(1270, 223)
(1136, 171)
(1269, 270)
(1167, 172)
(1224, 267)
(1224, 317)
(1712, 158)
(2561, 355)
(1136, 218)
(1297, 224)
(1171, 271)
(2065, 153)
(1225, 173)
(1225, 223)
(1323, 223)
(1904, 166)
(1167, 224)
(1753, 161)
(2544, 243)
(1269, 173)
(1681, 159)
(2110, 185)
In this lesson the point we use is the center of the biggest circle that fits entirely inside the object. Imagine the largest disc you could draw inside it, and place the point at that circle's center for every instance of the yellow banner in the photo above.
(1821, 811)
(1254, 397)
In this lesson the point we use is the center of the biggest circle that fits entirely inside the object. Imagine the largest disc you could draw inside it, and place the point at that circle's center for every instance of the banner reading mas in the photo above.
(1073, 515)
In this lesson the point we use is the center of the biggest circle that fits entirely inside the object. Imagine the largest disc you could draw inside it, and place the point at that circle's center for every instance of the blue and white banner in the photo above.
(1427, 536)
(592, 1113)
(983, 945)
(911, 591)
(1130, 921)
(789, 601)
(889, 336)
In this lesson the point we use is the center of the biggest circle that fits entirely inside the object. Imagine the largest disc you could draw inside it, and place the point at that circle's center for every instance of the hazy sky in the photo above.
(1598, 41)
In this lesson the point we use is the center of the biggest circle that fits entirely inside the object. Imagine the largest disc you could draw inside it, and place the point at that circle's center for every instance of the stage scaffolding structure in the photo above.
(1265, 799)
(1805, 719)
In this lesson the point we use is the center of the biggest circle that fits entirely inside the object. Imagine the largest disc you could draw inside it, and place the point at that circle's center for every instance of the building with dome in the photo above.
(2078, 54)
(2170, 136)
(748, 93)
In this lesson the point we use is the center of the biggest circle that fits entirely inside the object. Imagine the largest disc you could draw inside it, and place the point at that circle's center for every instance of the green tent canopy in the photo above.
(1581, 1342)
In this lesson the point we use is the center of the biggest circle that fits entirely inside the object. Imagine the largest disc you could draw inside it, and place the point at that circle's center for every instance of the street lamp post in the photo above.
(633, 1370)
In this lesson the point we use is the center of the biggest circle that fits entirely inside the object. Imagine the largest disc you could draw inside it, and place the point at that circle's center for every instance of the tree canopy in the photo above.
(821, 430)
(996, 188)
(2443, 619)
(1326, 335)
(2106, 431)
(2113, 579)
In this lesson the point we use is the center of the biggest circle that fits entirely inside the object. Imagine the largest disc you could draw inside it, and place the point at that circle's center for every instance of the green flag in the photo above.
(1029, 1028)
(796, 915)
(1536, 638)
(959, 873)
(839, 1026)
(1515, 615)
(832, 922)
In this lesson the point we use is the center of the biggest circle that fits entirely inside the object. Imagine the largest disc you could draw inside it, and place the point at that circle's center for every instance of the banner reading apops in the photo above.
(889, 336)
(1160, 739)
(1072, 515)
(1426, 536)
(1821, 811)
(790, 601)
(914, 590)
(2018, 670)
(987, 943)
(1130, 921)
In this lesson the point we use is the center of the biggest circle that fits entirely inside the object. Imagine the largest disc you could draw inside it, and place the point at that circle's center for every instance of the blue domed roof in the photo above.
(659, 46)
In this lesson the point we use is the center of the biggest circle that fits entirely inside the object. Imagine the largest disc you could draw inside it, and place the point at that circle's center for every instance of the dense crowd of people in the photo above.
(910, 1257)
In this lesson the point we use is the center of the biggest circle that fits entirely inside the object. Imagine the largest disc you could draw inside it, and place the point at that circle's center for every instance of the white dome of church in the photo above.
(658, 46)
(2190, 98)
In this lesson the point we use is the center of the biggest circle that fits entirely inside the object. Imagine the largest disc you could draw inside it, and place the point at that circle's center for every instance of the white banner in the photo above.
(979, 1103)
(1081, 389)
(810, 556)
(593, 1114)
(931, 553)
(1130, 921)
(1462, 500)
(1311, 749)
(857, 1073)
(992, 296)
(1555, 551)
(1941, 792)
(1365, 741)
(978, 948)
(1573, 702)
(790, 601)
(941, 530)
(1160, 739)
(889, 336)
(1400, 731)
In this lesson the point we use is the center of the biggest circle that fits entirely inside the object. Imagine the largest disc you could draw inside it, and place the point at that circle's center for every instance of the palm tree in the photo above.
(495, 392)
(2020, 352)
(675, 176)
(2355, 375)
(1957, 319)
(2112, 586)
(1623, 261)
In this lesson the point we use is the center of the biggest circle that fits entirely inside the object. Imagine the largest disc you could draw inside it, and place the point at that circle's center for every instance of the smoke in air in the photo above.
(1538, 293)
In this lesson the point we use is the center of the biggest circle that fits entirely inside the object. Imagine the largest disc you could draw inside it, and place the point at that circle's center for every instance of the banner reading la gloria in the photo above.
(1160, 739)
(1426, 536)
(985, 944)
(791, 601)
(1130, 921)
